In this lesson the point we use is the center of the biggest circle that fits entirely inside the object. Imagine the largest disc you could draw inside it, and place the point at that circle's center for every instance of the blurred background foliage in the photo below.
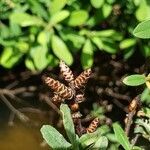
(39, 33)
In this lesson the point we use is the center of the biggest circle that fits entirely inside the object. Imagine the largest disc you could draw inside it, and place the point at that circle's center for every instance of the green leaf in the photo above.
(121, 136)
(9, 57)
(142, 30)
(100, 15)
(15, 29)
(77, 18)
(87, 55)
(59, 16)
(111, 137)
(105, 33)
(72, 38)
(89, 139)
(145, 96)
(39, 56)
(109, 46)
(68, 125)
(97, 3)
(53, 138)
(145, 50)
(57, 5)
(30, 64)
(106, 9)
(60, 50)
(101, 143)
(22, 46)
(105, 44)
(43, 37)
(145, 124)
(4, 31)
(127, 43)
(127, 53)
(98, 42)
(109, 33)
(147, 111)
(142, 13)
(24, 19)
(134, 80)
(38, 9)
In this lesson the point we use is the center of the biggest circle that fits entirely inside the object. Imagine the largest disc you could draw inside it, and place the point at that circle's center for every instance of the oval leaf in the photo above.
(98, 42)
(39, 56)
(145, 96)
(57, 5)
(24, 19)
(23, 47)
(10, 57)
(43, 38)
(30, 64)
(121, 136)
(89, 139)
(53, 138)
(68, 124)
(59, 16)
(60, 50)
(110, 46)
(97, 3)
(134, 80)
(142, 13)
(142, 30)
(87, 55)
(106, 10)
(127, 43)
(78, 17)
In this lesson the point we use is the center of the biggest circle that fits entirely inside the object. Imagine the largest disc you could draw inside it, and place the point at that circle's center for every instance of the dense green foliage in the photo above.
(103, 138)
(57, 141)
(39, 33)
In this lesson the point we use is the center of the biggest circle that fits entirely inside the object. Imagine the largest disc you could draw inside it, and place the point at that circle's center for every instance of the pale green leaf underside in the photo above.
(134, 80)
(68, 124)
(143, 30)
(53, 138)
(121, 136)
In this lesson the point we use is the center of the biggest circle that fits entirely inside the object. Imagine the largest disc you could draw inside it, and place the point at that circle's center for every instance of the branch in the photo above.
(20, 115)
(110, 92)
(129, 122)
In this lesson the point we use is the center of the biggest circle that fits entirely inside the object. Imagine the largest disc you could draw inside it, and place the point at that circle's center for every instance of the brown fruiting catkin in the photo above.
(93, 125)
(82, 79)
(66, 72)
(59, 88)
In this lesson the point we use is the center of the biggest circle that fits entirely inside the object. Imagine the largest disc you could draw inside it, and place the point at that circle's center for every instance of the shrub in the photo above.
(39, 33)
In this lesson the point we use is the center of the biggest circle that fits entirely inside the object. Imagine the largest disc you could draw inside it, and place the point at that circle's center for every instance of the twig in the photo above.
(134, 140)
(15, 91)
(20, 115)
(12, 96)
(53, 106)
(129, 122)
(120, 105)
(110, 92)
(12, 85)
(11, 119)
(31, 110)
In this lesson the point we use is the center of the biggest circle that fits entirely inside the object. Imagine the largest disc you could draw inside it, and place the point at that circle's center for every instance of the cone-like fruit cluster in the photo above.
(72, 93)
(60, 89)
(68, 92)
